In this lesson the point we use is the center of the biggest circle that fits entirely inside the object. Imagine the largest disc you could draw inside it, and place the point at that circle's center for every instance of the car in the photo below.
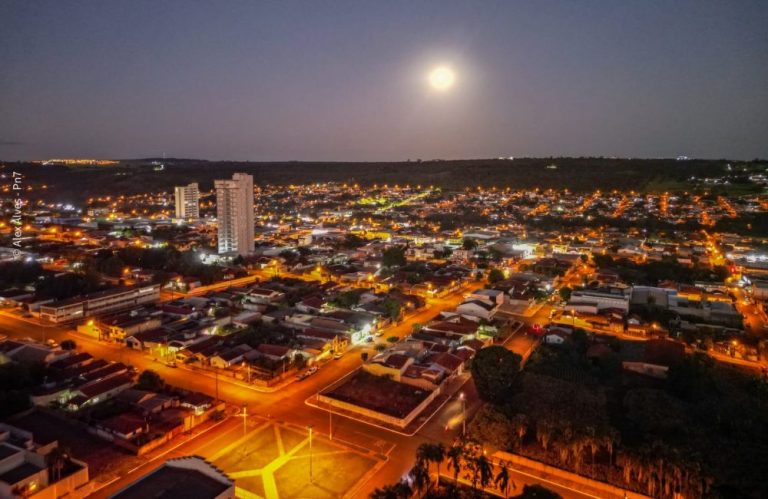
(312, 370)
(369, 339)
(378, 333)
(171, 364)
(300, 377)
(338, 355)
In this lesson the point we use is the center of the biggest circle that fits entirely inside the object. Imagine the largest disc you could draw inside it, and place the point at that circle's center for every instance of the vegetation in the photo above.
(494, 370)
(580, 174)
(494, 276)
(151, 381)
(651, 273)
(465, 461)
(16, 384)
(165, 261)
(68, 345)
(394, 257)
(701, 432)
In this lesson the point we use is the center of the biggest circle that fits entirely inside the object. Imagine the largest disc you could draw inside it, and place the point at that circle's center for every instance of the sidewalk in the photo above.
(564, 482)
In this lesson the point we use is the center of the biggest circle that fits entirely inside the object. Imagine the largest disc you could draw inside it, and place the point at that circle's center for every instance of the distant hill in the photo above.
(576, 174)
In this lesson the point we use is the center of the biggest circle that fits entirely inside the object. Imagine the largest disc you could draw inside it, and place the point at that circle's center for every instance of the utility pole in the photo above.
(245, 418)
(330, 425)
(216, 377)
(310, 452)
(463, 414)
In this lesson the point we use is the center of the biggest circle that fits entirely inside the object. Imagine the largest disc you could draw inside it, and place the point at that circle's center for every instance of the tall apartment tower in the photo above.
(187, 201)
(234, 214)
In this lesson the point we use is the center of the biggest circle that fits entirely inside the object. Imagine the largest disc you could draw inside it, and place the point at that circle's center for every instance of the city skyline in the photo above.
(350, 81)
(385, 250)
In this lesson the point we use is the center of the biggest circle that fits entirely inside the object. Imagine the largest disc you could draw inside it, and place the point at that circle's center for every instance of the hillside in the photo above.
(577, 174)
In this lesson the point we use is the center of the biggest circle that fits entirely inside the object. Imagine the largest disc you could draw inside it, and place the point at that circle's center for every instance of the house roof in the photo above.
(105, 385)
(170, 482)
(448, 361)
(479, 303)
(273, 350)
(396, 360)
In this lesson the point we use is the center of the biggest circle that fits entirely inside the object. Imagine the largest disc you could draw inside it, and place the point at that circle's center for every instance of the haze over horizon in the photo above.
(349, 81)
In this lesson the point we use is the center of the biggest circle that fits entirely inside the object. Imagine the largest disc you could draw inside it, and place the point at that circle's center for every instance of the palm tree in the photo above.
(55, 460)
(520, 424)
(400, 490)
(502, 480)
(419, 475)
(485, 470)
(431, 453)
(455, 455)
(544, 433)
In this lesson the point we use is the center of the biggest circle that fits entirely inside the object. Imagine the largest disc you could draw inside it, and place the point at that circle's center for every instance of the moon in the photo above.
(442, 78)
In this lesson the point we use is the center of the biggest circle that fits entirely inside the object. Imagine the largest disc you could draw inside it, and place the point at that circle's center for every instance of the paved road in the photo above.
(287, 404)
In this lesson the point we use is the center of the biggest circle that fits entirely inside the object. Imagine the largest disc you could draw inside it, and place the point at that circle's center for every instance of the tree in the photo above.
(394, 257)
(565, 293)
(68, 345)
(419, 475)
(151, 381)
(431, 453)
(494, 370)
(347, 299)
(352, 241)
(455, 455)
(495, 275)
(502, 480)
(55, 460)
(400, 490)
(484, 470)
(469, 244)
(392, 307)
(491, 426)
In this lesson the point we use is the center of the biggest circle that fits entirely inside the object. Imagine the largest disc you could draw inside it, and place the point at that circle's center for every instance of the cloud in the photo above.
(11, 143)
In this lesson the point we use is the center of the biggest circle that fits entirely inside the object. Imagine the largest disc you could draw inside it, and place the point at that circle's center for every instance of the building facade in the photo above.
(234, 212)
(104, 302)
(187, 201)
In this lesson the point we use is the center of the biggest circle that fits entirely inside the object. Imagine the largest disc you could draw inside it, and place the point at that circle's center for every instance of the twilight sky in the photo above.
(333, 80)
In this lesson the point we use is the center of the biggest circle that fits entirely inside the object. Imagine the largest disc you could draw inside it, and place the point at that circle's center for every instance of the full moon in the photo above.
(442, 78)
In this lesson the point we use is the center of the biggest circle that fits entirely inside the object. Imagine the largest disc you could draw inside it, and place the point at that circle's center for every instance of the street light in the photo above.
(310, 452)
(245, 418)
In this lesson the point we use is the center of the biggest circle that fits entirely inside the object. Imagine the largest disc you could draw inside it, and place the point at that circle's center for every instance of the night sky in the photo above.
(322, 80)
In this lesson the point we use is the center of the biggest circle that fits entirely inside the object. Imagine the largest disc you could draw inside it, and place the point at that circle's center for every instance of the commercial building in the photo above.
(32, 469)
(103, 302)
(190, 477)
(234, 214)
(187, 201)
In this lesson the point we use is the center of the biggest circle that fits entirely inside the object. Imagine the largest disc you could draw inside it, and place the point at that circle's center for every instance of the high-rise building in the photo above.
(187, 201)
(234, 214)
